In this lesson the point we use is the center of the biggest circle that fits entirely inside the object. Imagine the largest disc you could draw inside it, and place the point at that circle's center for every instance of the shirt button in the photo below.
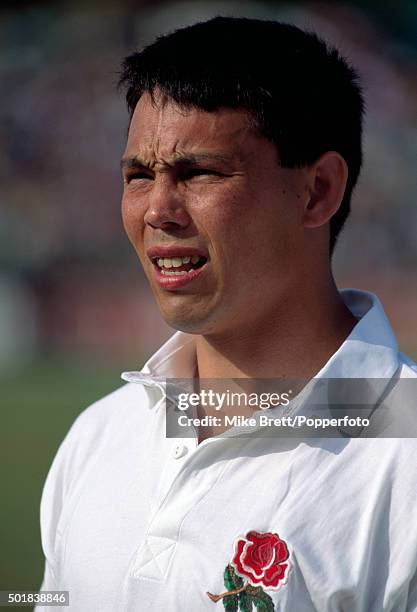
(179, 451)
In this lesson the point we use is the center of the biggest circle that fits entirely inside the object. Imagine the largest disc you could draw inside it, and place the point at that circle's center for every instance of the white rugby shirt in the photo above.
(133, 521)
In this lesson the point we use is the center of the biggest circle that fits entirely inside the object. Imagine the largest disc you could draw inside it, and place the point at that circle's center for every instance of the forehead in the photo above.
(161, 128)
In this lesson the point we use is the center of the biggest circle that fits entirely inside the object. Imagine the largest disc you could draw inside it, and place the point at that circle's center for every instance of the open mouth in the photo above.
(179, 266)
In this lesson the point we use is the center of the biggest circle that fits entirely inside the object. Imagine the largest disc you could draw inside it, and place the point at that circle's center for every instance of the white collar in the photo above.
(370, 350)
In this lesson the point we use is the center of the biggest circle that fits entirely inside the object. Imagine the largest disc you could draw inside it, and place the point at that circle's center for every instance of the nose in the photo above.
(166, 207)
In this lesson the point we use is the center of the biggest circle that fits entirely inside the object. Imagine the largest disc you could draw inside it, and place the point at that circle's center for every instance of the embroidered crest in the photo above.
(260, 561)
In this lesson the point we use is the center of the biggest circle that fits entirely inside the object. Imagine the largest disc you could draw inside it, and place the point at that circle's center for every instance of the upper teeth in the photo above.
(176, 262)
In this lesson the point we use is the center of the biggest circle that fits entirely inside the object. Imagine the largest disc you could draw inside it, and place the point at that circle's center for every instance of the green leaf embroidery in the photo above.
(245, 602)
(238, 582)
(229, 577)
(233, 581)
(231, 603)
(263, 602)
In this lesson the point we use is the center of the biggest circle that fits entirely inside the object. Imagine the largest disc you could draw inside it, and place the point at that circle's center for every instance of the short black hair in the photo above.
(302, 94)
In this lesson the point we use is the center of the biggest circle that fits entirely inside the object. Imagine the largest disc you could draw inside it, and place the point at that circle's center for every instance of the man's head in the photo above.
(244, 147)
(301, 94)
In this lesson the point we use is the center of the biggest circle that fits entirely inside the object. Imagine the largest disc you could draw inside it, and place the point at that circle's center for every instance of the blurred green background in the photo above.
(74, 307)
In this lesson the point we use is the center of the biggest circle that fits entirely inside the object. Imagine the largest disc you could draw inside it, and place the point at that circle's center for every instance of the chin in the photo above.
(192, 314)
(188, 320)
(186, 324)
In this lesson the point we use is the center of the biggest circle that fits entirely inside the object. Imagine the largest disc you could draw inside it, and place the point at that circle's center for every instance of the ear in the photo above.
(327, 184)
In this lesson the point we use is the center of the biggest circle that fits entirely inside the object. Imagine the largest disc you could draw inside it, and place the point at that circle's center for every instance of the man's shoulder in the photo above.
(99, 433)
(105, 423)
(107, 411)
(130, 401)
(394, 414)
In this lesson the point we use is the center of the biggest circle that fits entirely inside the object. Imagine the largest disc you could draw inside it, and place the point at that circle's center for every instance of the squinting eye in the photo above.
(138, 176)
(202, 172)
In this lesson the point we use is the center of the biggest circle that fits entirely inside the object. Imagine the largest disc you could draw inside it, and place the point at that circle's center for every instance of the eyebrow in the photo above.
(183, 160)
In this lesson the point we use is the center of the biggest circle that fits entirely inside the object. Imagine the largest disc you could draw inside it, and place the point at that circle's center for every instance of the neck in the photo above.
(294, 341)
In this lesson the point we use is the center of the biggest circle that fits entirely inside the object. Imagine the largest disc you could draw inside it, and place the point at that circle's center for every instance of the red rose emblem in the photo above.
(262, 558)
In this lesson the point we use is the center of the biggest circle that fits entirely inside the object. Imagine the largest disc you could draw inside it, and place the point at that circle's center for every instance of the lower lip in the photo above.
(170, 282)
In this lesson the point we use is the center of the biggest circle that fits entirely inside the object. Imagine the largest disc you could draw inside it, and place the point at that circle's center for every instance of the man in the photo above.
(243, 151)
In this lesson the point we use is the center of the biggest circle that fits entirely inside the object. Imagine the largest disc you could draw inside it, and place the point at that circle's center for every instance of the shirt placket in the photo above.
(181, 495)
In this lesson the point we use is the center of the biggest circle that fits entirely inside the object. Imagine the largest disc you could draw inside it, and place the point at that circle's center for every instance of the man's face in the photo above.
(214, 219)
